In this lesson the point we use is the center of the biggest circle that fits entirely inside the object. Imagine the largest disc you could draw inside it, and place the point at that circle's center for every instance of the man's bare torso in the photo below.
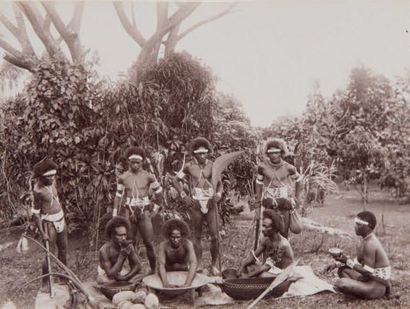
(46, 199)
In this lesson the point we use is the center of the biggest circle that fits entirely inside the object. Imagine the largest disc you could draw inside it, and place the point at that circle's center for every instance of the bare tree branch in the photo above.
(208, 20)
(75, 22)
(70, 38)
(47, 23)
(134, 23)
(162, 14)
(172, 40)
(150, 49)
(24, 39)
(10, 49)
(21, 63)
(36, 21)
(132, 31)
(182, 13)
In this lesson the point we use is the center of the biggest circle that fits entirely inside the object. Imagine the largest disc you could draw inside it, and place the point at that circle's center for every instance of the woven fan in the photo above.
(220, 164)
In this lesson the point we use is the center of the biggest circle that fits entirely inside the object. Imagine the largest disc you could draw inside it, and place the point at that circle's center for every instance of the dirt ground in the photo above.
(311, 247)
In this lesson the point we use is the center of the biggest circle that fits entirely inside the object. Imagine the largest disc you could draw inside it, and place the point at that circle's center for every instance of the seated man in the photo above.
(176, 253)
(115, 252)
(274, 246)
(368, 276)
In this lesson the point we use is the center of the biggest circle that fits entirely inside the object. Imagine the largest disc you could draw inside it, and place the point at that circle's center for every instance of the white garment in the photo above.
(56, 219)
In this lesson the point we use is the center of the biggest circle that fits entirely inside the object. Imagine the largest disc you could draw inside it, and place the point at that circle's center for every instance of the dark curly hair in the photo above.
(134, 150)
(44, 166)
(277, 222)
(200, 142)
(175, 224)
(277, 143)
(368, 217)
(115, 222)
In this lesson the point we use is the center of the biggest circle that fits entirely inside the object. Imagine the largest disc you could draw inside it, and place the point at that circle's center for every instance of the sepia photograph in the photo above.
(204, 154)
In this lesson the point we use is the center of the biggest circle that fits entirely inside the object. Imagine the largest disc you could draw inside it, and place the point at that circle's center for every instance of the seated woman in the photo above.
(176, 252)
(367, 276)
(116, 252)
(274, 247)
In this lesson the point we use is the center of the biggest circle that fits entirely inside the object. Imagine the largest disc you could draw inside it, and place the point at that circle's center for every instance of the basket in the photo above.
(250, 288)
(110, 289)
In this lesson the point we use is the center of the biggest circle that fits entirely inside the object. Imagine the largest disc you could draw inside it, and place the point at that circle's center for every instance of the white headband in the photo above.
(201, 150)
(50, 173)
(135, 157)
(360, 221)
(273, 150)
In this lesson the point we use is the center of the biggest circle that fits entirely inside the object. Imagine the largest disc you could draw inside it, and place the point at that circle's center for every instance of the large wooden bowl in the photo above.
(177, 278)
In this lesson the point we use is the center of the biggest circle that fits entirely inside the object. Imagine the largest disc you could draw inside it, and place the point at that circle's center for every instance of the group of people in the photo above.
(139, 196)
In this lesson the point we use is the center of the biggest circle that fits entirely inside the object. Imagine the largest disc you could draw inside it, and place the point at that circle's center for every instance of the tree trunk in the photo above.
(365, 193)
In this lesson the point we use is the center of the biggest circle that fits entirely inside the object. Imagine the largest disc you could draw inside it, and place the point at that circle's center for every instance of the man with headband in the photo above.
(47, 211)
(202, 198)
(278, 183)
(367, 276)
(132, 199)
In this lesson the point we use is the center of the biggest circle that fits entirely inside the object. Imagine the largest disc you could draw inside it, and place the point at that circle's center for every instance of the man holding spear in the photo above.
(48, 213)
(278, 183)
(132, 199)
(205, 190)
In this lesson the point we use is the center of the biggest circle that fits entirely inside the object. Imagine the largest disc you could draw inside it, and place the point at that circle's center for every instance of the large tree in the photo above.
(49, 28)
(169, 24)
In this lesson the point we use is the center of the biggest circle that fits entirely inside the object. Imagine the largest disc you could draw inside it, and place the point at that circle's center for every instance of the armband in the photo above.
(297, 177)
(35, 211)
(120, 190)
(259, 179)
(157, 187)
(369, 269)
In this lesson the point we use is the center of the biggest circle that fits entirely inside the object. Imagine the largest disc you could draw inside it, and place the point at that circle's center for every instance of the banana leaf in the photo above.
(221, 163)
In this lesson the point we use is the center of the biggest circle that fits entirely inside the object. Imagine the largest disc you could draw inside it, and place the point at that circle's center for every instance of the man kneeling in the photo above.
(115, 252)
(368, 276)
(176, 253)
(275, 248)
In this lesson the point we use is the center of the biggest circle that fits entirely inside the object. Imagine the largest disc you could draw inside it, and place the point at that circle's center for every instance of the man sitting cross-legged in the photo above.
(176, 253)
(276, 249)
(115, 252)
(368, 276)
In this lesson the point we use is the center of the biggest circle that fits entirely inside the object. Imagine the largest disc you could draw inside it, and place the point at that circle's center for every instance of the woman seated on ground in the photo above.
(275, 248)
(176, 252)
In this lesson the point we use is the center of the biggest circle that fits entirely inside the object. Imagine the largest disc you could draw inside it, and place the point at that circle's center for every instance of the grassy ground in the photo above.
(311, 247)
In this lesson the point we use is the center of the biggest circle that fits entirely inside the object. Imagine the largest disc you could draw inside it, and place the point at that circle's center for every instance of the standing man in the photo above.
(202, 197)
(176, 252)
(367, 276)
(115, 252)
(278, 182)
(132, 199)
(47, 211)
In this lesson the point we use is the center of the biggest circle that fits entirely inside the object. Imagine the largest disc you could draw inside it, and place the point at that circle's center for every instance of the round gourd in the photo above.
(126, 304)
(151, 301)
(121, 296)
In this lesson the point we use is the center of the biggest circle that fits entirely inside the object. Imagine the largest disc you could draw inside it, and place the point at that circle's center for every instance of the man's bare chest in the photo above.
(136, 182)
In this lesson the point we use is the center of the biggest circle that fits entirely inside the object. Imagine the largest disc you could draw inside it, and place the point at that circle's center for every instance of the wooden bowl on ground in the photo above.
(175, 277)
(250, 288)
